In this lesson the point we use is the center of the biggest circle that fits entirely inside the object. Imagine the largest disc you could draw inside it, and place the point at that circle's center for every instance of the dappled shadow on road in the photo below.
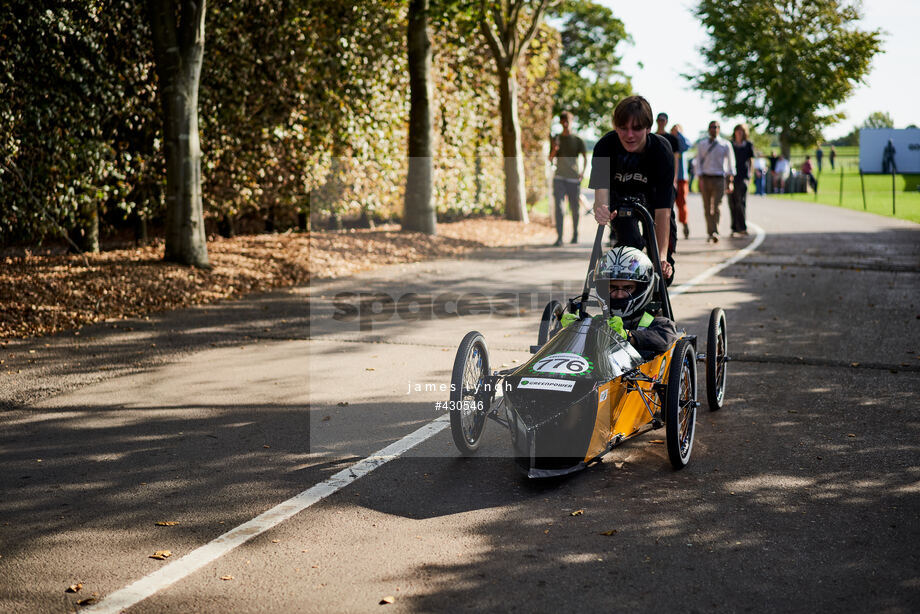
(798, 498)
(141, 464)
(802, 494)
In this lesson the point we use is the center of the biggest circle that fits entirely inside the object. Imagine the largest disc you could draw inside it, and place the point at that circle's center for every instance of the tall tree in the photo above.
(590, 80)
(178, 43)
(509, 26)
(419, 211)
(785, 64)
(878, 119)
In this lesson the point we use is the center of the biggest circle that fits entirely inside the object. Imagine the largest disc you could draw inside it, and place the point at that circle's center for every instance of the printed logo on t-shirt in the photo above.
(624, 177)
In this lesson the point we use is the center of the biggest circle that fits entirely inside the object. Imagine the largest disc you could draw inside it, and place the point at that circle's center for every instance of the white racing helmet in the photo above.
(627, 264)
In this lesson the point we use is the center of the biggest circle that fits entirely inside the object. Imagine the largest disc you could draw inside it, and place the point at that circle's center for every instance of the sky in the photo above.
(666, 38)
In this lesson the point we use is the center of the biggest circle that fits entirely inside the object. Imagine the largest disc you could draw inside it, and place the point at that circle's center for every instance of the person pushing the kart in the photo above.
(625, 279)
(633, 162)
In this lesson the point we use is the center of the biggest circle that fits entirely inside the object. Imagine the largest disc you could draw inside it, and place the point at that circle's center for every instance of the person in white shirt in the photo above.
(782, 174)
(715, 161)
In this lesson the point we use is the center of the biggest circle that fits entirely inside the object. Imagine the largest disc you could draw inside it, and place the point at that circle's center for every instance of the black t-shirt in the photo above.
(648, 174)
(672, 141)
(743, 153)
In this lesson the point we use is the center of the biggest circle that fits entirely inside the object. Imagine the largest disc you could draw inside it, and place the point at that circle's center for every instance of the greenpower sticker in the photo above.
(564, 363)
(544, 383)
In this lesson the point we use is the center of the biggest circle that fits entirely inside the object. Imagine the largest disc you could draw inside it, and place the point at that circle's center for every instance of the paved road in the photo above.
(802, 494)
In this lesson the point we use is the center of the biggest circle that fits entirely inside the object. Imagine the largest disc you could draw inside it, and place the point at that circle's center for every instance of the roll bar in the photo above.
(626, 207)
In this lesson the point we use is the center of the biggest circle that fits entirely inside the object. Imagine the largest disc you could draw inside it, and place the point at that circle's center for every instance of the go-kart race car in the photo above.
(586, 389)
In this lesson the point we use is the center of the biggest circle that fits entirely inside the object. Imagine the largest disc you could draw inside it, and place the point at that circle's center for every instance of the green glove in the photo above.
(568, 318)
(616, 323)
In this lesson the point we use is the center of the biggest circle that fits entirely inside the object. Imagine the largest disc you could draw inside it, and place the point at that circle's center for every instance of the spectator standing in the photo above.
(737, 199)
(567, 146)
(782, 173)
(716, 168)
(807, 171)
(819, 156)
(683, 187)
(662, 121)
(771, 186)
(760, 175)
(832, 156)
(691, 172)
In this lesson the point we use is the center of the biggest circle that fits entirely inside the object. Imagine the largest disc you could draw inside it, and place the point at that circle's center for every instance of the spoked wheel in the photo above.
(680, 404)
(716, 359)
(470, 394)
(551, 322)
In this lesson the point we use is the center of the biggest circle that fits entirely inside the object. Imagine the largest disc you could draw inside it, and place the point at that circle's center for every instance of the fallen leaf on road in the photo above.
(343, 403)
(327, 418)
(73, 588)
(851, 434)
(369, 369)
(87, 601)
(609, 533)
(387, 599)
(160, 555)
(656, 441)
(577, 513)
(226, 577)
(167, 523)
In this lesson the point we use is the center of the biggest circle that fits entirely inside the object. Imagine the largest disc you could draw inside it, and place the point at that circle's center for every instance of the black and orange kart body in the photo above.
(585, 389)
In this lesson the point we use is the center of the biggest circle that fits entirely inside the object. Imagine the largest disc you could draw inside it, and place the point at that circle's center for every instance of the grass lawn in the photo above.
(878, 192)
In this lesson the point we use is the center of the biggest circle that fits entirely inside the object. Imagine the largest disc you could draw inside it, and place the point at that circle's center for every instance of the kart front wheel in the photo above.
(551, 322)
(716, 359)
(680, 404)
(470, 394)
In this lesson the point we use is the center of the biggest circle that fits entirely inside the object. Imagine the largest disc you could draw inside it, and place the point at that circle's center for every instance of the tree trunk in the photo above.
(86, 233)
(419, 212)
(178, 40)
(515, 208)
(785, 144)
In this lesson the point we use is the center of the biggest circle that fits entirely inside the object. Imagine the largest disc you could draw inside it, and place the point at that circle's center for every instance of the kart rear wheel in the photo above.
(470, 394)
(680, 404)
(551, 322)
(716, 359)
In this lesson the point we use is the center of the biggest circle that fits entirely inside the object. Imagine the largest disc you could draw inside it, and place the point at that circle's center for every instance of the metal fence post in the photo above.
(841, 186)
(863, 184)
(892, 191)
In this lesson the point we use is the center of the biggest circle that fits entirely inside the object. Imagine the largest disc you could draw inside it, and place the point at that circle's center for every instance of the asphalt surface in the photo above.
(802, 494)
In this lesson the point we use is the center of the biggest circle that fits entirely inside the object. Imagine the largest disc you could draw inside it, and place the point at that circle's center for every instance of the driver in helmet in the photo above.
(626, 280)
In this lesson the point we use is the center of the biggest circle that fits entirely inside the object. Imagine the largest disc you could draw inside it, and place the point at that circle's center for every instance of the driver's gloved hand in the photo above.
(568, 318)
(616, 323)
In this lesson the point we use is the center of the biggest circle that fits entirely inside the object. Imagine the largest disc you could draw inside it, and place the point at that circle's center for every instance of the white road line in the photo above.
(179, 569)
(758, 239)
(175, 571)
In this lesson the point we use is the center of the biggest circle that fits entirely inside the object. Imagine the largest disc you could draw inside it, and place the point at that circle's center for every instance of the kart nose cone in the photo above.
(550, 434)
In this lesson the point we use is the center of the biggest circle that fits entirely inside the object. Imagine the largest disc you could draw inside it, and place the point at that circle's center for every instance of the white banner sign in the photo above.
(882, 150)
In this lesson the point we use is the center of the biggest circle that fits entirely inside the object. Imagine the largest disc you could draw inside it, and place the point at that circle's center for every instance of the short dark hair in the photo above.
(633, 108)
(567, 115)
(663, 116)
